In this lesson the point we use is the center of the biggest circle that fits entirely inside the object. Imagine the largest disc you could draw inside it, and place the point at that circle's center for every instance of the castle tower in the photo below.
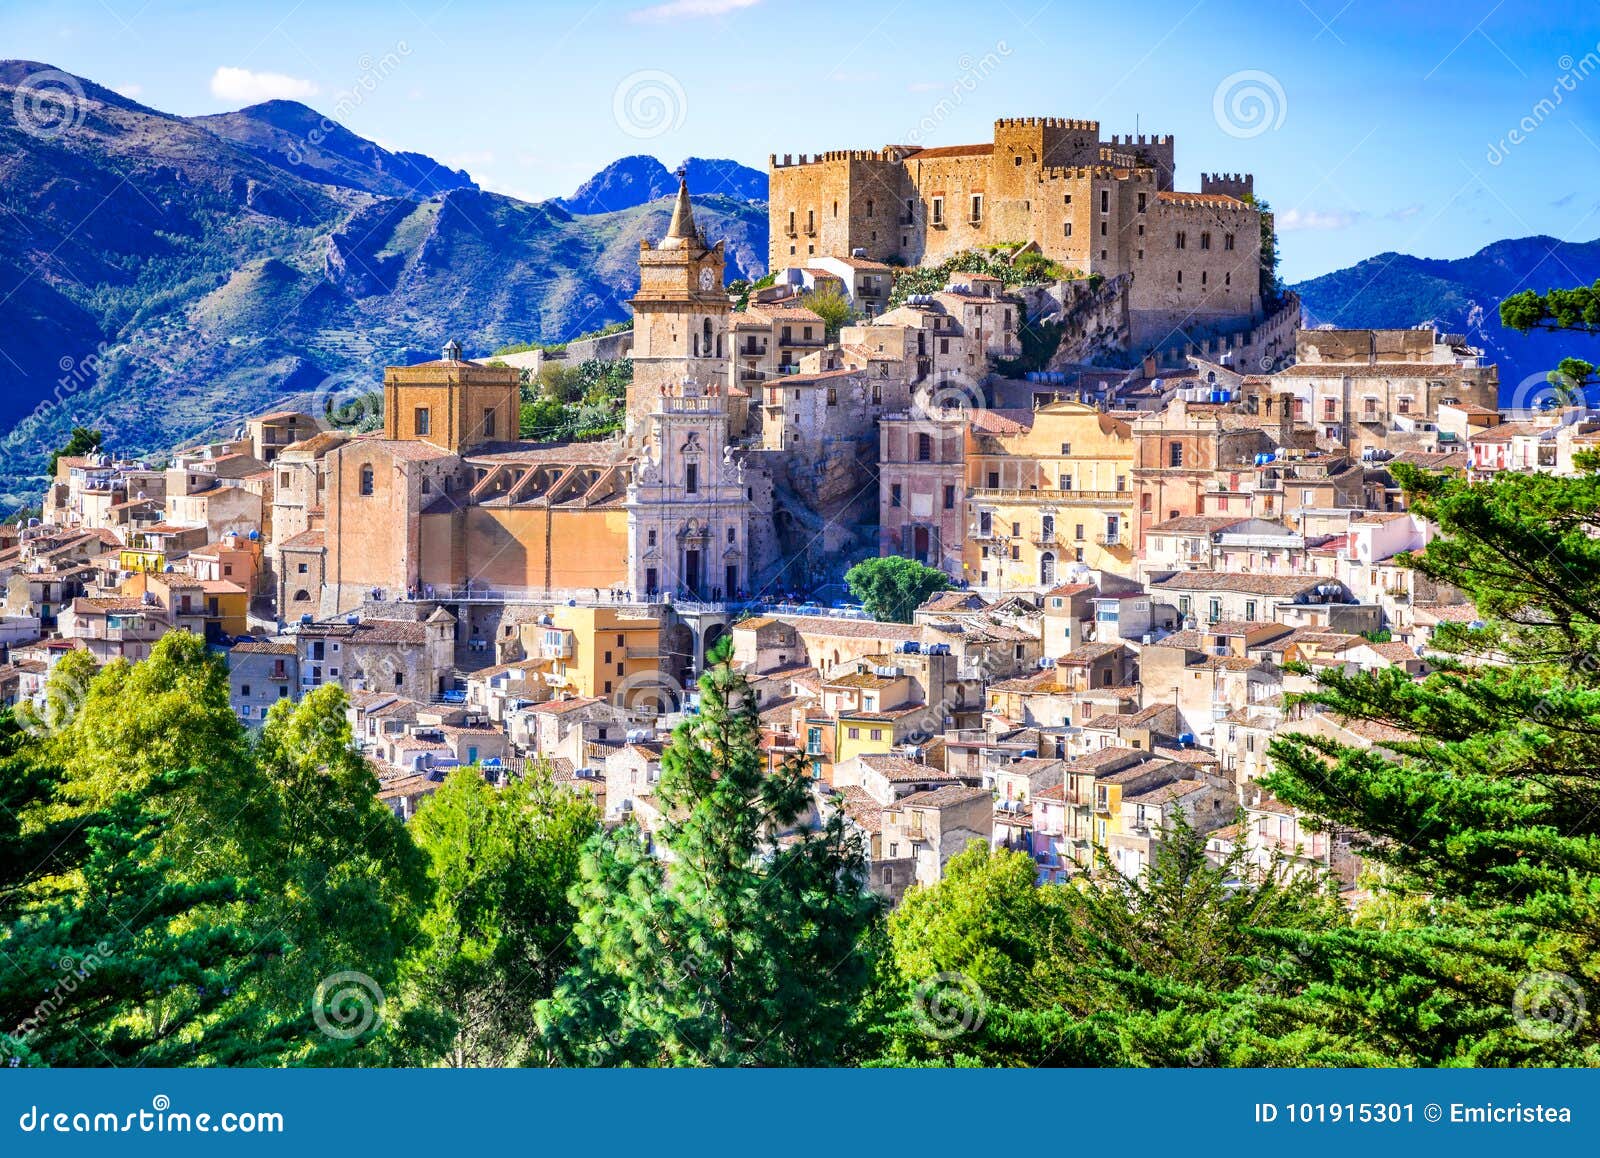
(680, 314)
(451, 402)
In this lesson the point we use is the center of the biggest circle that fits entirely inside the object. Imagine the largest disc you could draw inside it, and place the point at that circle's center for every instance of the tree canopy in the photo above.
(891, 588)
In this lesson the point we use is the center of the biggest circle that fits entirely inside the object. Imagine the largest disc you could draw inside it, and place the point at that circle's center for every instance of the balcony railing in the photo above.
(1049, 495)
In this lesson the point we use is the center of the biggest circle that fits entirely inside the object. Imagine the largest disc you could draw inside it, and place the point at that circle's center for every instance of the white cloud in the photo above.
(1404, 213)
(132, 91)
(1317, 219)
(688, 10)
(242, 85)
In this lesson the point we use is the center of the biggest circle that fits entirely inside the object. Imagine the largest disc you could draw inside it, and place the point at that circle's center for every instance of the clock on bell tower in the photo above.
(680, 314)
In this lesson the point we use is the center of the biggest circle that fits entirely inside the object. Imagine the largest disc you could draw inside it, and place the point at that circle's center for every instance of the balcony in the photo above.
(1048, 495)
(1117, 542)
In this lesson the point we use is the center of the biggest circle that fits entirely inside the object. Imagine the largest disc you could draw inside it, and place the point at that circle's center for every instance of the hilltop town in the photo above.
(1153, 533)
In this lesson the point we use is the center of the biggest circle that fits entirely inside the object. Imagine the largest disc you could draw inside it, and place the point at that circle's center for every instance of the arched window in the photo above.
(366, 478)
(1047, 568)
(302, 596)
(705, 342)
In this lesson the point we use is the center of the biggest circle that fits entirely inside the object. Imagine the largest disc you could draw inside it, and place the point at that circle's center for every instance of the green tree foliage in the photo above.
(498, 932)
(1027, 269)
(740, 946)
(578, 403)
(292, 814)
(1483, 814)
(1182, 966)
(110, 960)
(1270, 284)
(891, 588)
(832, 307)
(1558, 309)
(83, 441)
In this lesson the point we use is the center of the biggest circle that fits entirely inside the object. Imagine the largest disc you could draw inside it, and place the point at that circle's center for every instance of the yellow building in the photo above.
(599, 651)
(866, 733)
(1047, 489)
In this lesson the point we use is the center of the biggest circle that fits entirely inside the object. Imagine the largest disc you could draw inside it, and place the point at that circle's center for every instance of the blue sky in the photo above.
(1371, 125)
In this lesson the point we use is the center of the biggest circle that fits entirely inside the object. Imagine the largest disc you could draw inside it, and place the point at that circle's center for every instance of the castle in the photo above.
(1098, 206)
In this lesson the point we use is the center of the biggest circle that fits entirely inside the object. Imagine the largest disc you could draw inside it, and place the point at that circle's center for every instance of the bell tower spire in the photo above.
(680, 315)
(682, 230)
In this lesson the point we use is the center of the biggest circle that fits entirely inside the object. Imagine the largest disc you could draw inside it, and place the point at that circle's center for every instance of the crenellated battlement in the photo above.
(1047, 123)
(1134, 140)
(1141, 175)
(889, 156)
(1239, 185)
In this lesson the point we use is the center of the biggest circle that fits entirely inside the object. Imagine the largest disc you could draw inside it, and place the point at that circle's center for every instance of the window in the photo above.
(924, 448)
(1067, 229)
(791, 226)
(1144, 501)
(894, 494)
(977, 208)
(731, 536)
(1175, 454)
(811, 220)
(1330, 408)
(876, 733)
(1105, 201)
(1016, 530)
(1142, 197)
(985, 522)
(1214, 609)
(1047, 526)
(488, 422)
(301, 568)
(1227, 241)
(1205, 241)
(994, 480)
(1180, 279)
(691, 478)
(283, 478)
(1182, 240)
(1077, 532)
(869, 206)
(1403, 404)
(853, 733)
(244, 689)
(1250, 609)
(650, 538)
(366, 479)
(938, 210)
(423, 421)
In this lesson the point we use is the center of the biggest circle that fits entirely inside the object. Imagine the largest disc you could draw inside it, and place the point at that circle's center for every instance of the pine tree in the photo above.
(737, 943)
(1484, 828)
(110, 961)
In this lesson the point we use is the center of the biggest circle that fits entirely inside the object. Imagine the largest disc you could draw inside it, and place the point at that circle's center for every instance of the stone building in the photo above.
(1099, 206)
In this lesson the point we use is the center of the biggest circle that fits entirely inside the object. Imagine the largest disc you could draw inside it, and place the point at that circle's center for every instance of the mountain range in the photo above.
(164, 276)
(1462, 296)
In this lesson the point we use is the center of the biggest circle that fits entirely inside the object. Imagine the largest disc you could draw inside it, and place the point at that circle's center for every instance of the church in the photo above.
(448, 501)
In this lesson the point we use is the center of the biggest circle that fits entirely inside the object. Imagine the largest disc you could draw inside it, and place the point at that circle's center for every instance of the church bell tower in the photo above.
(680, 314)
